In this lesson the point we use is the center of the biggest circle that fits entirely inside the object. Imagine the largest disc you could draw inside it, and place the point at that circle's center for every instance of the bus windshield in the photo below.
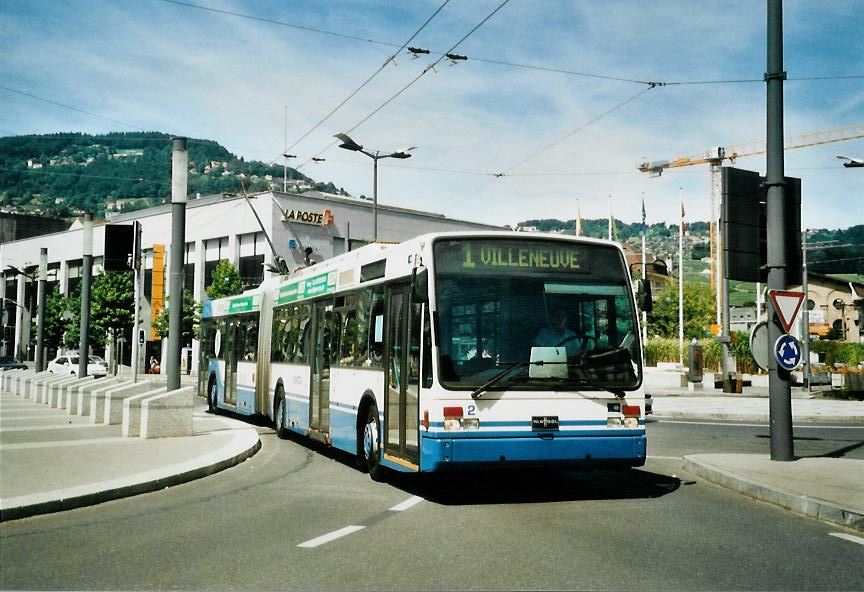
(558, 314)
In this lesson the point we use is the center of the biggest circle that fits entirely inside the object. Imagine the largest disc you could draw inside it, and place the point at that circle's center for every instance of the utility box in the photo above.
(694, 369)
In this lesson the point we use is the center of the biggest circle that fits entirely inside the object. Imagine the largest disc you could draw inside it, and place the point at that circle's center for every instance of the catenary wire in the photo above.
(418, 77)
(368, 80)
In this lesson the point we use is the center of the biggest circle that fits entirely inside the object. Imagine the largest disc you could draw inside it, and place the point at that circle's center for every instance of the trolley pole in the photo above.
(86, 276)
(136, 266)
(40, 315)
(779, 389)
(179, 173)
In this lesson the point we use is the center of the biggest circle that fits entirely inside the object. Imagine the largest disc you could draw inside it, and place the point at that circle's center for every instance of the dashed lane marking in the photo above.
(848, 537)
(332, 536)
(409, 503)
(351, 529)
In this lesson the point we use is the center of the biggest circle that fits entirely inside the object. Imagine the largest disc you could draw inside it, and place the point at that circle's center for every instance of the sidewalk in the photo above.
(830, 489)
(51, 461)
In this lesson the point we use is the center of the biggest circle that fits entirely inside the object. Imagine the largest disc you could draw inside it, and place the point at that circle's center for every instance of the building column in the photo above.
(233, 250)
(198, 294)
(20, 351)
(63, 277)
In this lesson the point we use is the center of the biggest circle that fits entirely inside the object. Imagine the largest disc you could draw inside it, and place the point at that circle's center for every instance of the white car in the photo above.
(68, 364)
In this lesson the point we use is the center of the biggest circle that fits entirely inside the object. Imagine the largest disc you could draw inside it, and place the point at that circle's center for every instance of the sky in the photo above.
(549, 117)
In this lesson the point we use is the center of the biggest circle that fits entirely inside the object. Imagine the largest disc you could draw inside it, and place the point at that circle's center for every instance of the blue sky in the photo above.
(157, 65)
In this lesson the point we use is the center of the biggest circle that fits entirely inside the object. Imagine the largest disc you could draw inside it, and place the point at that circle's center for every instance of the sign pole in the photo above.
(779, 387)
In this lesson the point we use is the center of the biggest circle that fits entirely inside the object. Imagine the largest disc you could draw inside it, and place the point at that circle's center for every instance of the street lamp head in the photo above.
(348, 143)
(403, 153)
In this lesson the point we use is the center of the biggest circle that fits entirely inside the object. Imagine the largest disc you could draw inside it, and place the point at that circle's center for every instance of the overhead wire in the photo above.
(368, 80)
(79, 110)
(418, 77)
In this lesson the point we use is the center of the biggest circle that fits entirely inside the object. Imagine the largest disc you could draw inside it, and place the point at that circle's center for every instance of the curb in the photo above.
(762, 419)
(97, 493)
(801, 504)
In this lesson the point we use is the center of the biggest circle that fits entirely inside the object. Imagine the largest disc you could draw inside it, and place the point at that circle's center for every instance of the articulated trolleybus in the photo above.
(448, 350)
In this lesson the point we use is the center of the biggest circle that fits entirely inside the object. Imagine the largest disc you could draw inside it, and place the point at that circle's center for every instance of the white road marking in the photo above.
(336, 534)
(848, 537)
(650, 457)
(409, 503)
(763, 425)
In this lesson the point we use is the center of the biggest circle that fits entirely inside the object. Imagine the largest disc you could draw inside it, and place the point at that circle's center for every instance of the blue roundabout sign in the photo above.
(787, 352)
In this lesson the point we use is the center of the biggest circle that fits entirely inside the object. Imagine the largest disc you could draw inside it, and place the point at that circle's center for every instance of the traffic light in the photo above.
(118, 247)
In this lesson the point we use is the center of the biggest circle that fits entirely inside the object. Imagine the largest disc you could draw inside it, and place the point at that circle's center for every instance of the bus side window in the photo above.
(306, 343)
(427, 350)
(376, 330)
(250, 345)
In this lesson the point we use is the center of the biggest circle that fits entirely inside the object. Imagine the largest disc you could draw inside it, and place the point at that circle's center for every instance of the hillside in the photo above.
(832, 252)
(62, 174)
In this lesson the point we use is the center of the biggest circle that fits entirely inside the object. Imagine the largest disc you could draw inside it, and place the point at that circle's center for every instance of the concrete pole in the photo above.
(86, 274)
(779, 388)
(375, 198)
(40, 315)
(805, 316)
(681, 280)
(136, 266)
(179, 173)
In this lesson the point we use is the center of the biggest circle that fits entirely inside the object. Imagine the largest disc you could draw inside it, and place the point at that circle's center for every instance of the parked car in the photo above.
(10, 363)
(68, 364)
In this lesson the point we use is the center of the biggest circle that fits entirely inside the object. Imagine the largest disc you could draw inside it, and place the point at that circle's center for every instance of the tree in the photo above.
(698, 311)
(191, 319)
(225, 281)
(112, 304)
(59, 318)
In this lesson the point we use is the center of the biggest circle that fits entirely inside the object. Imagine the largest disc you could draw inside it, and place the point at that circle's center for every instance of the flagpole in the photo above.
(681, 281)
(578, 218)
(644, 276)
(610, 217)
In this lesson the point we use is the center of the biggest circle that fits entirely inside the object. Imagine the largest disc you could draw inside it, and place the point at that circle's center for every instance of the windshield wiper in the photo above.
(478, 392)
(579, 363)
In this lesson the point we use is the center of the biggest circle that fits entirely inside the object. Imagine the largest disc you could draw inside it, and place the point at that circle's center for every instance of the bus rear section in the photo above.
(538, 356)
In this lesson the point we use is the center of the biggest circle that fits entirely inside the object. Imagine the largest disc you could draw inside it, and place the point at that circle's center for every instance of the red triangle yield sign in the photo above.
(787, 305)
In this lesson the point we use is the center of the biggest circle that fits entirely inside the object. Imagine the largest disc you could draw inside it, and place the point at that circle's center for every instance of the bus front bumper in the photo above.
(546, 450)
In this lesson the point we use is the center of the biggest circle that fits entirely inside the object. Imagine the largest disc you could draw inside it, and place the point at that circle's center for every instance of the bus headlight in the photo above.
(471, 423)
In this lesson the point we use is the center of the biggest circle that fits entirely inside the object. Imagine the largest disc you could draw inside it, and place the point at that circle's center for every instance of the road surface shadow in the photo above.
(534, 486)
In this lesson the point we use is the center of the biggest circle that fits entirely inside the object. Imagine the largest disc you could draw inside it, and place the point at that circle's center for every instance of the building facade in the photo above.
(303, 229)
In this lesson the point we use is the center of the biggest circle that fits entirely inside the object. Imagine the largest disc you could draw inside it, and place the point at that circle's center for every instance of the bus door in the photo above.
(326, 333)
(232, 352)
(402, 395)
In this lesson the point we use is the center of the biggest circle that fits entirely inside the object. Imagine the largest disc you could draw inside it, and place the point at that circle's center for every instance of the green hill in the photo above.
(61, 174)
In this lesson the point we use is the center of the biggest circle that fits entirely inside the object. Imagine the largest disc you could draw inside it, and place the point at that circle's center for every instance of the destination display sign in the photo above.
(314, 286)
(235, 305)
(523, 256)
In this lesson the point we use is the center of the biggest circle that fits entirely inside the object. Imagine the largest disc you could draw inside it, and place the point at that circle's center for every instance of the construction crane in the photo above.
(719, 154)
(715, 157)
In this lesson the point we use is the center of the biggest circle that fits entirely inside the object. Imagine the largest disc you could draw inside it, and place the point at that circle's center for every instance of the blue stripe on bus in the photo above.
(562, 450)
(517, 424)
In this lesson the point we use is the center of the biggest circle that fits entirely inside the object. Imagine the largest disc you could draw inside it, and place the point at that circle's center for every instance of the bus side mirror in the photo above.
(643, 296)
(420, 285)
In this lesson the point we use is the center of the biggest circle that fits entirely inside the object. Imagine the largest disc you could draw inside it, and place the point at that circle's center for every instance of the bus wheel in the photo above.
(279, 414)
(211, 395)
(368, 443)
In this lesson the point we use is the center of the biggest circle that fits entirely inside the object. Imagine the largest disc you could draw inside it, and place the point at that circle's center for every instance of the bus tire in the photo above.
(211, 395)
(369, 443)
(279, 414)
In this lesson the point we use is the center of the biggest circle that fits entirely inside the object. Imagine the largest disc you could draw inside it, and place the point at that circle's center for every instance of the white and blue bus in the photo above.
(427, 355)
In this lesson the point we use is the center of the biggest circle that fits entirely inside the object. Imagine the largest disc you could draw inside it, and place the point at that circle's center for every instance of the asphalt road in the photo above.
(294, 517)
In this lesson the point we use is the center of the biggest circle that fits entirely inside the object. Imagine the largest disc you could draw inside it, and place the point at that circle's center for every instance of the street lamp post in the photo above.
(349, 144)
